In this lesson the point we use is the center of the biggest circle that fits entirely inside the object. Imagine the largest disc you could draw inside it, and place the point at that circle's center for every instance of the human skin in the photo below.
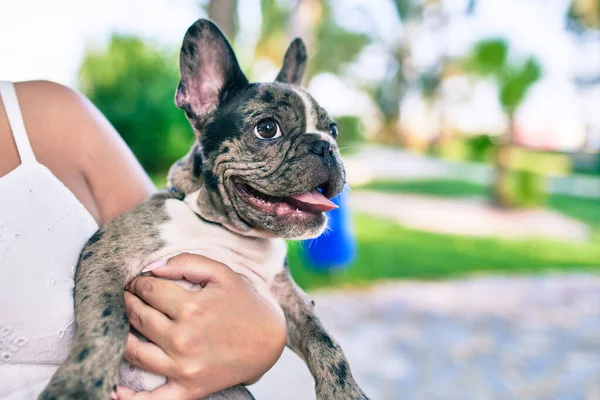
(71, 137)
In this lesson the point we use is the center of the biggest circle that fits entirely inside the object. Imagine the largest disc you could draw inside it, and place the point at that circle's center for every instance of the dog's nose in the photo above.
(322, 149)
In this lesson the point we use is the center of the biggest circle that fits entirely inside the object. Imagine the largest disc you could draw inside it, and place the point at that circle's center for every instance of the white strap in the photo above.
(15, 120)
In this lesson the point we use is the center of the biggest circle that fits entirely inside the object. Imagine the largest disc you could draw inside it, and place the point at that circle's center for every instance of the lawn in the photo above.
(387, 250)
(430, 187)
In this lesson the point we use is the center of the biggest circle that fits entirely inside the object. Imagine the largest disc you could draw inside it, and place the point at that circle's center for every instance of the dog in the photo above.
(263, 169)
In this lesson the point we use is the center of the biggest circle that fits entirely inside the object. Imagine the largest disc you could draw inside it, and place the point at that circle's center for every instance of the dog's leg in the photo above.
(308, 338)
(106, 265)
(91, 368)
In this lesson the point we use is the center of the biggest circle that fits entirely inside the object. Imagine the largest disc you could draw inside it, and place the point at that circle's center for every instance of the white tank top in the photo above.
(43, 227)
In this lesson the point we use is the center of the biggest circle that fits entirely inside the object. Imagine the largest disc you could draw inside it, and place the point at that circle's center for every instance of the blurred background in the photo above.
(471, 134)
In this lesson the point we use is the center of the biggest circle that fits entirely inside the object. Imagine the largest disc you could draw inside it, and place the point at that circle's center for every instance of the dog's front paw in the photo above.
(77, 387)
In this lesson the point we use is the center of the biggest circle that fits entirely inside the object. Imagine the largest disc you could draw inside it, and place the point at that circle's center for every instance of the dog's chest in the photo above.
(259, 260)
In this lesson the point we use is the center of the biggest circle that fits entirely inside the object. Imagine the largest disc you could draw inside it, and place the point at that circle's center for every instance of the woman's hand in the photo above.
(203, 341)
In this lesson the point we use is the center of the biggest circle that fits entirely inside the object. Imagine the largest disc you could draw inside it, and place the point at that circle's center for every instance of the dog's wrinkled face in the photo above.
(266, 160)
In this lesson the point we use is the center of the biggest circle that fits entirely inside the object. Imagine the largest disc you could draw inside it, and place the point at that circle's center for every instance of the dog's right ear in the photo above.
(210, 73)
(294, 63)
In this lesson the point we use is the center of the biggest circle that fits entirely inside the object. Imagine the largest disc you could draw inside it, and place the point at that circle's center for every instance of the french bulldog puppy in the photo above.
(264, 167)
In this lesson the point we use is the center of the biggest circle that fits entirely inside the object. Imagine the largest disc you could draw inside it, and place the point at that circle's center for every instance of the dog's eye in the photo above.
(267, 129)
(333, 130)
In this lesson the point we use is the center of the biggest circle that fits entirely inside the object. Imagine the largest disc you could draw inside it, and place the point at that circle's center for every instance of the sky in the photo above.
(47, 40)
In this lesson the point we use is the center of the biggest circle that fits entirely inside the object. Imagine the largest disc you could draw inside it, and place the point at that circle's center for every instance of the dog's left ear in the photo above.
(210, 73)
(294, 63)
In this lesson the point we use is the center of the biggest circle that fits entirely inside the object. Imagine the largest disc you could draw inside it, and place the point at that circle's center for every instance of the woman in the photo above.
(64, 171)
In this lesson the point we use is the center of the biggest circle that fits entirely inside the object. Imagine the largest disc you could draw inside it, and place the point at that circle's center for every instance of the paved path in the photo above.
(469, 216)
(488, 338)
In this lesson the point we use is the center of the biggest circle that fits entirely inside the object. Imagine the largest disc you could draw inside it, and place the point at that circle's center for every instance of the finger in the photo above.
(165, 392)
(149, 322)
(148, 356)
(161, 294)
(123, 393)
(194, 268)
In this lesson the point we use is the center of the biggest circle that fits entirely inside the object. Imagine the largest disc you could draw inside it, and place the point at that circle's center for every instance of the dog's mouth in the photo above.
(315, 201)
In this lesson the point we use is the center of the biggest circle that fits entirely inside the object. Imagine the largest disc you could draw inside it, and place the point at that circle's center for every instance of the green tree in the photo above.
(583, 21)
(224, 14)
(584, 15)
(330, 45)
(490, 58)
(403, 74)
(274, 36)
(390, 91)
(133, 84)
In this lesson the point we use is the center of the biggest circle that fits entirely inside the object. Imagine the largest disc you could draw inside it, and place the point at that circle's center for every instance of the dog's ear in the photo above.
(294, 63)
(210, 73)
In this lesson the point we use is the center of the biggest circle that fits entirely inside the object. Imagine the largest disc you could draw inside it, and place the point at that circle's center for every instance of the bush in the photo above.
(527, 189)
(453, 150)
(540, 162)
(133, 84)
(480, 148)
(586, 163)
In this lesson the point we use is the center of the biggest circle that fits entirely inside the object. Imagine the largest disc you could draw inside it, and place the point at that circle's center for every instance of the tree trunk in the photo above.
(441, 140)
(444, 134)
(304, 19)
(586, 146)
(392, 132)
(501, 184)
(224, 14)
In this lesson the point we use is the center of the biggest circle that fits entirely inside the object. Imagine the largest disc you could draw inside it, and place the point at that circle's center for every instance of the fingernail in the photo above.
(113, 396)
(153, 270)
(155, 265)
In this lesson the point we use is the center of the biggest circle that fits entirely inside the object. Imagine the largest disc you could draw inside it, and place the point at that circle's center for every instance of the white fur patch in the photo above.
(258, 260)
(311, 119)
(254, 258)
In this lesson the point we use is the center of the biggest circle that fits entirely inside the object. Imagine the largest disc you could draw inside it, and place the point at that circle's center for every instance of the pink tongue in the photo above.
(315, 201)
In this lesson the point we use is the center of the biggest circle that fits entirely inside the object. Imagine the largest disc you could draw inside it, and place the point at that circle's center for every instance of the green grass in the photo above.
(586, 210)
(387, 250)
(433, 187)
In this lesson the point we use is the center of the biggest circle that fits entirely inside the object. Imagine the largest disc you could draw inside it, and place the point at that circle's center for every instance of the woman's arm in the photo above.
(233, 337)
(71, 137)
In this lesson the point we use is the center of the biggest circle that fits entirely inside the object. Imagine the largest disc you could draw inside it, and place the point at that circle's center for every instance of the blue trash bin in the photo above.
(335, 249)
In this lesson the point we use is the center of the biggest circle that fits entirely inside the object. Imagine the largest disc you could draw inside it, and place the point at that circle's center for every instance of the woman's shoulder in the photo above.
(38, 101)
(45, 89)
(71, 137)
(52, 114)
(58, 120)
